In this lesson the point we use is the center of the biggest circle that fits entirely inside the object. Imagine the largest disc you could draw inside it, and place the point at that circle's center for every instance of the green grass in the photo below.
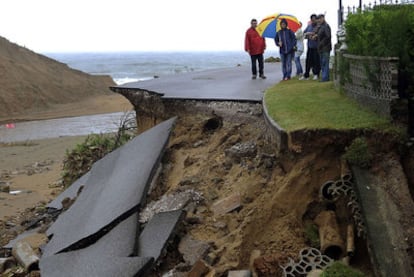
(296, 105)
(338, 269)
(312, 235)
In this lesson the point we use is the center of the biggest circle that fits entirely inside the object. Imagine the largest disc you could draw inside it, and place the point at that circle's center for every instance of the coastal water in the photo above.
(61, 127)
(126, 67)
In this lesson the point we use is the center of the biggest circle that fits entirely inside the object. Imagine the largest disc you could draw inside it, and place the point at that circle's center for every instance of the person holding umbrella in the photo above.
(255, 45)
(286, 41)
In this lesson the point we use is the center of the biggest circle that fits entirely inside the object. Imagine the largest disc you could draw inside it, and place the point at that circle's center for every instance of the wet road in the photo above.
(233, 84)
(53, 128)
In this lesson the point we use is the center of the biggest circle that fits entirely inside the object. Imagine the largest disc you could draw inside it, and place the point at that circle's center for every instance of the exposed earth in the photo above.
(276, 197)
(279, 195)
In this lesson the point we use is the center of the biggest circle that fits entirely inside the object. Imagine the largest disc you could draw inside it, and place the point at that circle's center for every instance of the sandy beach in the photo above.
(33, 169)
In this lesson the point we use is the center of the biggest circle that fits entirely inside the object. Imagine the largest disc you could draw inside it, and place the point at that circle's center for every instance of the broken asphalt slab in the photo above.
(114, 254)
(115, 189)
(71, 192)
(109, 256)
(157, 232)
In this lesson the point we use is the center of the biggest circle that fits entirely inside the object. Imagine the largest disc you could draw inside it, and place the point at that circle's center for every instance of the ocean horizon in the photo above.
(125, 67)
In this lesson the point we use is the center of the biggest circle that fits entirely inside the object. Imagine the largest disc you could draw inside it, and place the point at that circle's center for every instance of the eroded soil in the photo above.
(279, 194)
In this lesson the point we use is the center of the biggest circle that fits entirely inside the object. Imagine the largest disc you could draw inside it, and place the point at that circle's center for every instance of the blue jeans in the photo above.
(324, 66)
(299, 69)
(286, 64)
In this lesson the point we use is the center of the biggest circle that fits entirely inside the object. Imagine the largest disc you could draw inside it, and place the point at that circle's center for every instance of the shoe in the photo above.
(262, 76)
(285, 79)
(254, 77)
(316, 77)
(303, 78)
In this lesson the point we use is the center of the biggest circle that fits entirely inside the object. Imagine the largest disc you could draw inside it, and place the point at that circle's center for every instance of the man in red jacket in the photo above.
(255, 45)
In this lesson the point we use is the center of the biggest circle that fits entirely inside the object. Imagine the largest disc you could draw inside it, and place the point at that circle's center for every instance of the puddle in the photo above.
(53, 128)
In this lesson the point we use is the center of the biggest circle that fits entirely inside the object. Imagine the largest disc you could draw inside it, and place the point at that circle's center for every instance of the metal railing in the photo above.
(343, 12)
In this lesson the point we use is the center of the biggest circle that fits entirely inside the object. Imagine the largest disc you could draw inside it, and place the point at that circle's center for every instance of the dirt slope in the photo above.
(275, 192)
(30, 82)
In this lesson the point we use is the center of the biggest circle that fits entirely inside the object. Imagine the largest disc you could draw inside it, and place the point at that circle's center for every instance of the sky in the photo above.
(47, 26)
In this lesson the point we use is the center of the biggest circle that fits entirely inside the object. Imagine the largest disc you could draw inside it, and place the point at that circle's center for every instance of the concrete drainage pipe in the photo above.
(332, 244)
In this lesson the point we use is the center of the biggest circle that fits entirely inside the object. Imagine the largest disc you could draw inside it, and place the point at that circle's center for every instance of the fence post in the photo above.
(340, 14)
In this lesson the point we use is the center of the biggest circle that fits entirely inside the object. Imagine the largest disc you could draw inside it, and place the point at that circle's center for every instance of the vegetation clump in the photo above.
(79, 161)
(395, 39)
(338, 269)
(312, 235)
(358, 153)
(272, 60)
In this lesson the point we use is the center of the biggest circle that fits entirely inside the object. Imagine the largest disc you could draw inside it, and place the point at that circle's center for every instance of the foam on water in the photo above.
(121, 81)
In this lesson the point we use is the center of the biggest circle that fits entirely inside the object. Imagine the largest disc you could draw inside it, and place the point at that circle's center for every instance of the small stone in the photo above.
(211, 258)
(239, 273)
(4, 188)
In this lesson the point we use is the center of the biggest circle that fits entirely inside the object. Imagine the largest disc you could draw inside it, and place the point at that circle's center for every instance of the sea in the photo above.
(125, 67)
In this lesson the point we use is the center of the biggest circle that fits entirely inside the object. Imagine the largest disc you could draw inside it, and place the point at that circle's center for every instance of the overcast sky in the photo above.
(145, 25)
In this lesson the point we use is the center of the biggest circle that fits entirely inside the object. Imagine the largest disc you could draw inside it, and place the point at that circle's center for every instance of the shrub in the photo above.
(385, 31)
(338, 269)
(312, 235)
(358, 153)
(79, 161)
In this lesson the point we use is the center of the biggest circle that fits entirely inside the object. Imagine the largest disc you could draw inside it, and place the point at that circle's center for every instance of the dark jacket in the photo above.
(288, 39)
(324, 38)
(253, 42)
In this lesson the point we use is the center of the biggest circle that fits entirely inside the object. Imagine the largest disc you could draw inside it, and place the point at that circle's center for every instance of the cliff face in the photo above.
(30, 82)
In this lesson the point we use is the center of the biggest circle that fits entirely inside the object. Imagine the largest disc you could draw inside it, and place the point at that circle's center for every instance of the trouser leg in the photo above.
(283, 62)
(299, 69)
(253, 60)
(307, 63)
(261, 64)
(316, 60)
(325, 66)
(289, 65)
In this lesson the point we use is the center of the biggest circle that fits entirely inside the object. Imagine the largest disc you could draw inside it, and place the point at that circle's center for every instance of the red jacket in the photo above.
(254, 43)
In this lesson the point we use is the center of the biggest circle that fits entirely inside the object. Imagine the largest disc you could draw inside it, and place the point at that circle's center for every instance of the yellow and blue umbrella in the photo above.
(271, 24)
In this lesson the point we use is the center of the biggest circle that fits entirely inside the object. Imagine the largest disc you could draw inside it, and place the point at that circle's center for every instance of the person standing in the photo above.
(299, 50)
(323, 36)
(286, 41)
(312, 55)
(255, 45)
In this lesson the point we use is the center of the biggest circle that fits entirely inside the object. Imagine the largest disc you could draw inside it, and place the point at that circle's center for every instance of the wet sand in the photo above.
(34, 167)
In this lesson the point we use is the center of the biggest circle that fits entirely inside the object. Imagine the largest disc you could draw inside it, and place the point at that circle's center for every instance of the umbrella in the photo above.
(271, 24)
